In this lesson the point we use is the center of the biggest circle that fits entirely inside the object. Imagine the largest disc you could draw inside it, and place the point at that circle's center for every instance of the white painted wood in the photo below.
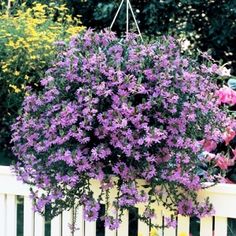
(206, 226)
(9, 183)
(168, 231)
(222, 196)
(158, 219)
(11, 207)
(143, 228)
(39, 225)
(220, 226)
(90, 228)
(124, 226)
(66, 222)
(3, 213)
(28, 217)
(183, 225)
(56, 226)
(96, 188)
(109, 232)
(80, 224)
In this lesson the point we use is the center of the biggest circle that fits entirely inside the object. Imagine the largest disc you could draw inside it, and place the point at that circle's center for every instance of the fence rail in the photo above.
(223, 197)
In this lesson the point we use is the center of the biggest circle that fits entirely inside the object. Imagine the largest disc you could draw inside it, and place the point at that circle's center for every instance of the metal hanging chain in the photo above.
(136, 23)
(128, 7)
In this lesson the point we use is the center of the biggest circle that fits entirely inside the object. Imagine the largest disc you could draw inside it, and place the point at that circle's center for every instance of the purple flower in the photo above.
(170, 222)
(126, 109)
(185, 207)
(112, 223)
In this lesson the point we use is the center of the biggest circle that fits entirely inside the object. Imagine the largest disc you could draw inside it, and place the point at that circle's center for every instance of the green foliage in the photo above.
(26, 45)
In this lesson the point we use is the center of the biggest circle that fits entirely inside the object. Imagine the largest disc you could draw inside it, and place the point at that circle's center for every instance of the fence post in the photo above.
(11, 215)
(80, 225)
(220, 226)
(39, 225)
(3, 213)
(66, 221)
(143, 228)
(124, 227)
(206, 226)
(183, 224)
(28, 217)
(90, 228)
(56, 226)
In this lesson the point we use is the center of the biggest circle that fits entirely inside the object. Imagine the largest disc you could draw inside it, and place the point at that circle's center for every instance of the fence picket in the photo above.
(109, 232)
(80, 225)
(66, 222)
(158, 220)
(39, 225)
(206, 226)
(28, 217)
(3, 213)
(11, 215)
(124, 226)
(183, 225)
(143, 228)
(220, 226)
(112, 212)
(90, 228)
(168, 231)
(56, 226)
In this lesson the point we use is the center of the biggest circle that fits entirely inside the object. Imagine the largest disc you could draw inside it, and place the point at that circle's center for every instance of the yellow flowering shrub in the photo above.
(26, 46)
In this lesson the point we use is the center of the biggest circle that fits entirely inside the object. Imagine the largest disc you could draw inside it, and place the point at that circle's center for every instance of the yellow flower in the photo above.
(39, 7)
(11, 44)
(16, 73)
(4, 67)
(153, 232)
(74, 30)
(15, 88)
(183, 234)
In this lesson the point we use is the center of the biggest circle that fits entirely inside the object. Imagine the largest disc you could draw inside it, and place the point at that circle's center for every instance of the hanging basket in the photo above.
(117, 111)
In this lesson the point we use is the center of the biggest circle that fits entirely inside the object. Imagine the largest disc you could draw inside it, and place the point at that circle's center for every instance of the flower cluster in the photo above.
(125, 109)
(222, 155)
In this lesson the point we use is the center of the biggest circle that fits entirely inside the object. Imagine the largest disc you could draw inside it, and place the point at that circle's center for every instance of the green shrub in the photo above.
(26, 45)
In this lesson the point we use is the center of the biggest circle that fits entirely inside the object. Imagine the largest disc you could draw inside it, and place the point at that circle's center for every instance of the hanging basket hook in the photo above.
(128, 7)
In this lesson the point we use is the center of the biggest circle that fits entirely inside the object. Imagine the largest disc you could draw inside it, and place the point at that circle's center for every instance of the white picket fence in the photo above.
(223, 196)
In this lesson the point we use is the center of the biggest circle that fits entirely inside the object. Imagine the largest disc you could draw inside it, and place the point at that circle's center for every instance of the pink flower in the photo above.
(209, 145)
(228, 135)
(224, 162)
(226, 95)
